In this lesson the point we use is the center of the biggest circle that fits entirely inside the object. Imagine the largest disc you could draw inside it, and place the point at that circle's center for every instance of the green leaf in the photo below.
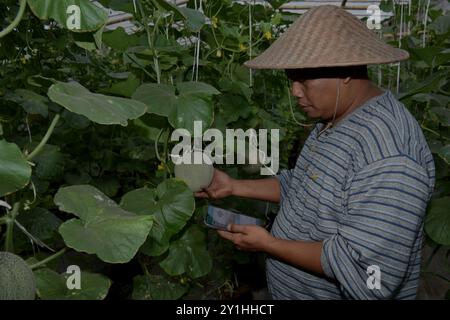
(89, 40)
(104, 228)
(194, 19)
(171, 204)
(92, 17)
(444, 153)
(201, 89)
(192, 103)
(74, 120)
(432, 56)
(120, 40)
(189, 109)
(233, 107)
(441, 25)
(159, 98)
(124, 88)
(156, 287)
(15, 172)
(188, 255)
(109, 185)
(40, 222)
(96, 107)
(30, 101)
(53, 286)
(437, 222)
(428, 84)
(119, 5)
(277, 3)
(50, 163)
(442, 115)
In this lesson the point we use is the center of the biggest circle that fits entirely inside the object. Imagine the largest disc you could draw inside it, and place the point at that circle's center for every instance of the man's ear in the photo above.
(347, 80)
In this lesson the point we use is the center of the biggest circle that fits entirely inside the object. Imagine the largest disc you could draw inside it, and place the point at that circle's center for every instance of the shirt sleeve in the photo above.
(381, 228)
(284, 176)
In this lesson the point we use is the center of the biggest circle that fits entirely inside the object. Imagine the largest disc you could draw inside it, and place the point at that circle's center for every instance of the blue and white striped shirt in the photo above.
(362, 188)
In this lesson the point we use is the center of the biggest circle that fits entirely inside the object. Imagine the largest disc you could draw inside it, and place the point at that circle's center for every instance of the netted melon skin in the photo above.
(196, 176)
(17, 281)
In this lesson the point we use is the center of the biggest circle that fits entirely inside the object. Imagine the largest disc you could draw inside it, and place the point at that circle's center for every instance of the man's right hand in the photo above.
(221, 186)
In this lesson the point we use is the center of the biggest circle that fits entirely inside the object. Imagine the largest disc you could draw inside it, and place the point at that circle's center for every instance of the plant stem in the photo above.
(9, 244)
(48, 259)
(150, 41)
(45, 139)
(434, 132)
(16, 21)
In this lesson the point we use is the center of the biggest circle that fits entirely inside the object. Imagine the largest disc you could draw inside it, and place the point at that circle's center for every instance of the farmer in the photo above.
(350, 224)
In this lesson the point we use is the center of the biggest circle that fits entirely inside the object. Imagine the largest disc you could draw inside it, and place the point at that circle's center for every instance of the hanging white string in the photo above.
(400, 45)
(380, 75)
(425, 20)
(250, 44)
(196, 63)
(292, 112)
(409, 16)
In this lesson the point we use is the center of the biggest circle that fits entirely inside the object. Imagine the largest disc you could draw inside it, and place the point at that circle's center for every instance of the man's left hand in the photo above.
(248, 237)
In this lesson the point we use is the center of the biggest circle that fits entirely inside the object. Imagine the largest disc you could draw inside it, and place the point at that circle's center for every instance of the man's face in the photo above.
(316, 97)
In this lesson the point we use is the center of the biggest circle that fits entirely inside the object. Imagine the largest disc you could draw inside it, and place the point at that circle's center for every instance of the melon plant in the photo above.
(17, 281)
(196, 176)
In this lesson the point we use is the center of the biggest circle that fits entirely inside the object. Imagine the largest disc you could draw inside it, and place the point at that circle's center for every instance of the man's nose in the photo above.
(297, 90)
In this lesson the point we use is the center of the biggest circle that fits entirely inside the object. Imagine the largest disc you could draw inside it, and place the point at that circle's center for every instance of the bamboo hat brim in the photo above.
(326, 36)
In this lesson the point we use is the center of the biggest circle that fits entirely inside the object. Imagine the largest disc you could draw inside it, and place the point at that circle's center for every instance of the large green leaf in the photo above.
(53, 286)
(192, 103)
(188, 255)
(97, 107)
(171, 204)
(437, 222)
(156, 287)
(92, 17)
(104, 228)
(15, 172)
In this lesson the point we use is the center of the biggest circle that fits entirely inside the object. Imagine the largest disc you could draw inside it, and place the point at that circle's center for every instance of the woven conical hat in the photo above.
(326, 36)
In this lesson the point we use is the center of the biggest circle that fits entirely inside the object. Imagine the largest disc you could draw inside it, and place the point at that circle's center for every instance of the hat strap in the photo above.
(338, 95)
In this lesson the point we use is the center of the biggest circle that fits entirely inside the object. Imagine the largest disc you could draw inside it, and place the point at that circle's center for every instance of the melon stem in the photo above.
(9, 244)
(48, 259)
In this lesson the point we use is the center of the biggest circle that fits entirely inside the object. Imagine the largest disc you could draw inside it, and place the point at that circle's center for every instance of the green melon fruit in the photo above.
(196, 176)
(17, 281)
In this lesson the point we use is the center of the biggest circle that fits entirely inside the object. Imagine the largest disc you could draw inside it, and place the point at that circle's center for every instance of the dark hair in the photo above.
(355, 72)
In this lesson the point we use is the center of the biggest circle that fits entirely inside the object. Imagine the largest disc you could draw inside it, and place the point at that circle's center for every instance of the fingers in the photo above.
(201, 194)
(226, 235)
(240, 228)
(204, 193)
